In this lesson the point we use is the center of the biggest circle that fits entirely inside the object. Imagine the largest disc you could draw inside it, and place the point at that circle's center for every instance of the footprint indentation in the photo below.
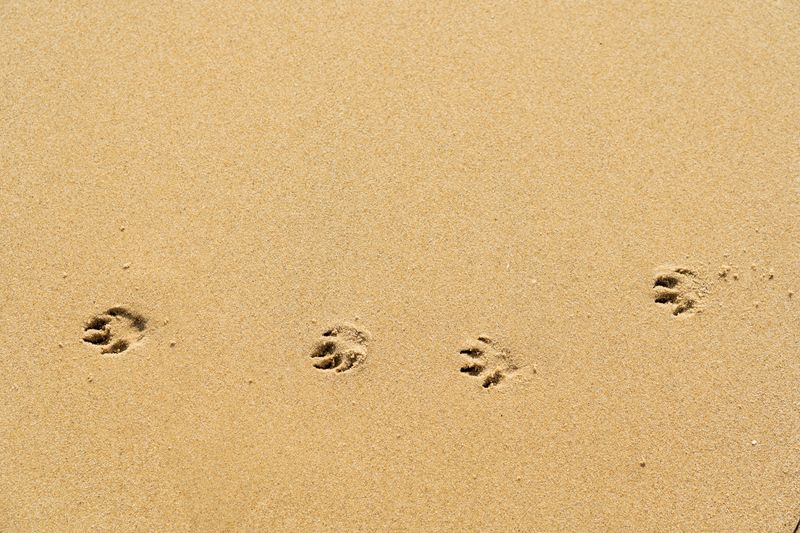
(115, 331)
(341, 348)
(680, 288)
(487, 360)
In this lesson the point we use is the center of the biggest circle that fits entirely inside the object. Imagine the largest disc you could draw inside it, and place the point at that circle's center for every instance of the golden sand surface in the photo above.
(400, 266)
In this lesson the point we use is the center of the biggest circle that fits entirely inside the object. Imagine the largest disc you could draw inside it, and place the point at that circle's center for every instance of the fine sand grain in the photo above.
(400, 266)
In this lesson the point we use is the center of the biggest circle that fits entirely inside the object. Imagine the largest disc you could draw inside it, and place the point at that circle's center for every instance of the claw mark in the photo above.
(666, 297)
(472, 352)
(117, 347)
(98, 322)
(341, 348)
(115, 330)
(667, 281)
(493, 379)
(472, 369)
(487, 360)
(137, 321)
(324, 348)
(98, 337)
(680, 288)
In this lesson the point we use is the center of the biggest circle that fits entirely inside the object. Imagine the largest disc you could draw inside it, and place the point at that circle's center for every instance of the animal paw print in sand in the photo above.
(487, 360)
(115, 331)
(341, 348)
(679, 288)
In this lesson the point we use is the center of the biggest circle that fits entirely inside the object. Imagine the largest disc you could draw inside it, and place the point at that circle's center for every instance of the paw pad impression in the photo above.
(341, 348)
(679, 288)
(487, 360)
(115, 331)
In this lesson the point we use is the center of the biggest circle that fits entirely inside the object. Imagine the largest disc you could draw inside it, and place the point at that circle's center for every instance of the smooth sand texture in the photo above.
(247, 176)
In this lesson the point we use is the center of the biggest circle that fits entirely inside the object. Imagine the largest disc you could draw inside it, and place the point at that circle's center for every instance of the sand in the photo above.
(597, 203)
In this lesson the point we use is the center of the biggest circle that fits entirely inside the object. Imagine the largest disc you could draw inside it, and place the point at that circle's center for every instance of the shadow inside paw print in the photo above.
(487, 360)
(115, 330)
(341, 348)
(679, 288)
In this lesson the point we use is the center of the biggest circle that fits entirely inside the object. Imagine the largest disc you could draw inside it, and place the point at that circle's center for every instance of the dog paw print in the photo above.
(115, 331)
(341, 348)
(679, 288)
(487, 360)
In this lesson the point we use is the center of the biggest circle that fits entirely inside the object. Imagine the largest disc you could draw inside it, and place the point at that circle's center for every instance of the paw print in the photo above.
(341, 348)
(486, 359)
(679, 288)
(115, 330)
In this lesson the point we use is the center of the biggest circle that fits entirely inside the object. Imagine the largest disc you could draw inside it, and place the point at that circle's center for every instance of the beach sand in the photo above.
(599, 204)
